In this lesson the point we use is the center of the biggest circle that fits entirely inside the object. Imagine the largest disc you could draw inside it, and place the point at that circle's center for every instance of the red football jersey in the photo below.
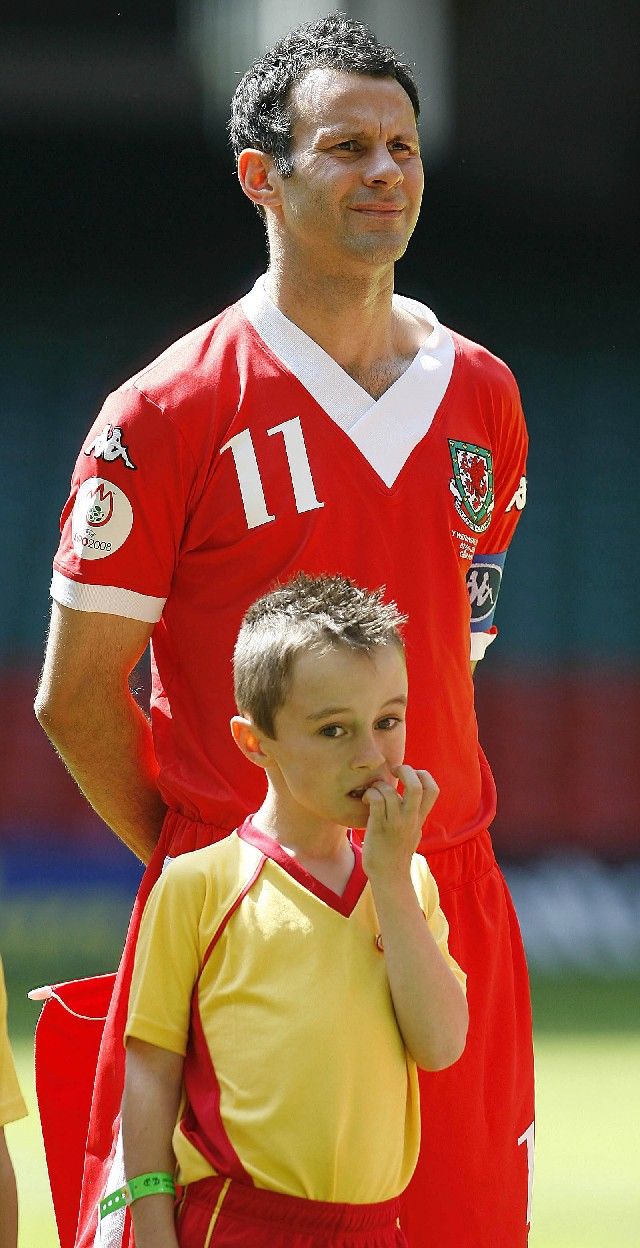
(244, 454)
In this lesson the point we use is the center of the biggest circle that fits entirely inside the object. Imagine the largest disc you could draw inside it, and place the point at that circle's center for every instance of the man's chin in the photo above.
(377, 251)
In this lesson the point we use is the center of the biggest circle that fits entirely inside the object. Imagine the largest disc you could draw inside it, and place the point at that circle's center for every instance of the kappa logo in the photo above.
(102, 519)
(520, 497)
(109, 446)
(479, 590)
(483, 585)
(472, 484)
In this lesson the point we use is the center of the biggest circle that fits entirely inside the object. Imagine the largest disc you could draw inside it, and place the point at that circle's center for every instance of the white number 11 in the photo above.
(250, 481)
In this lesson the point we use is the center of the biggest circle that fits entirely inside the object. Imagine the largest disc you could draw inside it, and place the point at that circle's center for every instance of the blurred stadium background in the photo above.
(122, 229)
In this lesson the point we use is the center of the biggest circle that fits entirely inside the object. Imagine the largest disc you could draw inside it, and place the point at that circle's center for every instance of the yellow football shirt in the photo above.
(12, 1105)
(298, 1077)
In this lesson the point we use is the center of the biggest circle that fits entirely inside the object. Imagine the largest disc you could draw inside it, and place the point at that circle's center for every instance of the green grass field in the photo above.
(586, 1192)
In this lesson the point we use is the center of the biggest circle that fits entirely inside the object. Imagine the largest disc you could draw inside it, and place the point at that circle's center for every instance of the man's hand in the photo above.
(395, 820)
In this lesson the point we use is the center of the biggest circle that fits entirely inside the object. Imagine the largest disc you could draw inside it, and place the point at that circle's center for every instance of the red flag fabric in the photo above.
(67, 1040)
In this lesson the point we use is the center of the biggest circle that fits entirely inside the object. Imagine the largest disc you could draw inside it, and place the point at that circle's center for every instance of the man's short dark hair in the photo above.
(308, 614)
(261, 116)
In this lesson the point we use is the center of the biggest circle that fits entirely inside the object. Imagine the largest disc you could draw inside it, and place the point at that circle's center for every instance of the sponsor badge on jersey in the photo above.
(483, 584)
(109, 445)
(519, 500)
(472, 484)
(101, 520)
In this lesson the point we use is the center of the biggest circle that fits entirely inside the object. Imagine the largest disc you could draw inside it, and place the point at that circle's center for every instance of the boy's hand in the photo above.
(395, 821)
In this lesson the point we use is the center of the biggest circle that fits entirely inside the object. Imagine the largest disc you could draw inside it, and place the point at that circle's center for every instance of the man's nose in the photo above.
(381, 168)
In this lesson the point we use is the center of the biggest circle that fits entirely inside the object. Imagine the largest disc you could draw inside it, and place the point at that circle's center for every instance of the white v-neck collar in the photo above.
(387, 429)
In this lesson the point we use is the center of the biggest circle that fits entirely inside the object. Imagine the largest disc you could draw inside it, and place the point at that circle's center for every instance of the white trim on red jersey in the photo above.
(417, 394)
(106, 599)
(480, 643)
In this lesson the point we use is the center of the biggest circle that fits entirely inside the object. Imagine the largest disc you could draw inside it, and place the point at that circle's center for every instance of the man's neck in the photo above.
(352, 317)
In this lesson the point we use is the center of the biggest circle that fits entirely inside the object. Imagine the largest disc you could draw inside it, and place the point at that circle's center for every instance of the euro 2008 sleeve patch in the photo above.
(102, 519)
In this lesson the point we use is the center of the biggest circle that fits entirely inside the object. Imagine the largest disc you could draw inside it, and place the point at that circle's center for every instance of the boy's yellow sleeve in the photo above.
(427, 893)
(168, 956)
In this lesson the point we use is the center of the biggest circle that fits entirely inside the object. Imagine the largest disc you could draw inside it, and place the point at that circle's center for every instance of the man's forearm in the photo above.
(87, 710)
(106, 745)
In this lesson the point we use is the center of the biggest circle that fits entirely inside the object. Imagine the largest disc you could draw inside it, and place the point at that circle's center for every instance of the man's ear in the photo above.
(248, 740)
(258, 178)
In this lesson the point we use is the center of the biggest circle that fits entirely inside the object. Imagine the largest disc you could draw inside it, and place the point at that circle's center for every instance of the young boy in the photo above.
(12, 1107)
(286, 983)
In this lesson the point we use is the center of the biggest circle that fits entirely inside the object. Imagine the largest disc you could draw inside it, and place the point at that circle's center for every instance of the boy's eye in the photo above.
(388, 722)
(332, 730)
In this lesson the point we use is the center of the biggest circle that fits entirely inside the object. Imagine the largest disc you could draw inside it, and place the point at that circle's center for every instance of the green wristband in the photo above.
(158, 1183)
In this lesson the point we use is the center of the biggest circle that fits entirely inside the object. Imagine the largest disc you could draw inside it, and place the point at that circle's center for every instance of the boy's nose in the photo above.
(367, 755)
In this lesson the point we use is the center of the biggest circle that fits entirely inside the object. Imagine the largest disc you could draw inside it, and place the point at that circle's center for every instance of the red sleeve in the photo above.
(123, 522)
(509, 456)
(508, 440)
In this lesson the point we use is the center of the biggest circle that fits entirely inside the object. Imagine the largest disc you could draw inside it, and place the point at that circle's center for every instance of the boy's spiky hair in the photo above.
(261, 116)
(308, 613)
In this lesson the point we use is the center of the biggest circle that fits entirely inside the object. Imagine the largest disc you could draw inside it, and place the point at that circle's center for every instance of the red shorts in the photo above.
(472, 1184)
(226, 1214)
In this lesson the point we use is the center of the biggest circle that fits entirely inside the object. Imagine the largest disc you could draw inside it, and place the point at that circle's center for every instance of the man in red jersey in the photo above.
(322, 424)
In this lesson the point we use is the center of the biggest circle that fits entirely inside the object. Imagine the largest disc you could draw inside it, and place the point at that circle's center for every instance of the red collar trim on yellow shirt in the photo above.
(356, 883)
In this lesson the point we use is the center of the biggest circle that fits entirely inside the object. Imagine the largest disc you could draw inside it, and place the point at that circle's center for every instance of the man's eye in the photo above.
(347, 145)
(331, 730)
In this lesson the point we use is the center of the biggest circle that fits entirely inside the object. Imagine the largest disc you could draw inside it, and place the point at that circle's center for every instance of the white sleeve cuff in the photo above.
(480, 643)
(106, 599)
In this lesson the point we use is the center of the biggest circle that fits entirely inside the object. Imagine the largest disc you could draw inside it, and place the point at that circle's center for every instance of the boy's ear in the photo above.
(245, 735)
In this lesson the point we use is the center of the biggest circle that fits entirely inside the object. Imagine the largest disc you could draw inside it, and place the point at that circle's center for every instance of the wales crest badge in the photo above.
(472, 484)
